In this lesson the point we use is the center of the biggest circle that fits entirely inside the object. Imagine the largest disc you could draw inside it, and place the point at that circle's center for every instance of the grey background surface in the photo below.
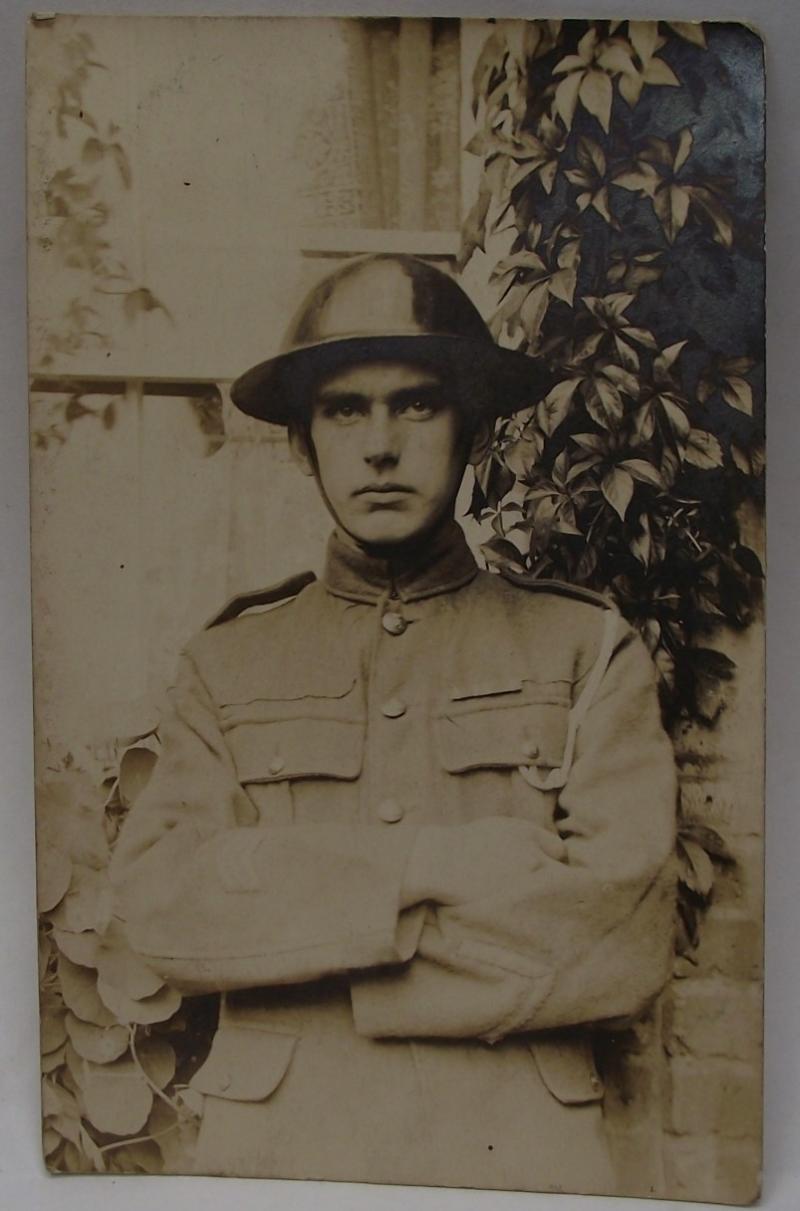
(23, 1182)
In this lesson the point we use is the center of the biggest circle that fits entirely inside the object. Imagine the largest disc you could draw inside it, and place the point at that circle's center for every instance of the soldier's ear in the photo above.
(481, 441)
(300, 449)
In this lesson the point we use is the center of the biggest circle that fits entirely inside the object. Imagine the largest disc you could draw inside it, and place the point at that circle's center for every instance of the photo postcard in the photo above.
(397, 421)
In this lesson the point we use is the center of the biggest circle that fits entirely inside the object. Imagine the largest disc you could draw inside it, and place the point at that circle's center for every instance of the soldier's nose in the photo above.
(381, 440)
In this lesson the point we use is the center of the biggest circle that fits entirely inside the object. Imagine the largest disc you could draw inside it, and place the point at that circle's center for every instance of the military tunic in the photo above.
(321, 759)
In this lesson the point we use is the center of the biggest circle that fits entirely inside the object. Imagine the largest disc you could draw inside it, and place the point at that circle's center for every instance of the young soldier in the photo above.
(415, 822)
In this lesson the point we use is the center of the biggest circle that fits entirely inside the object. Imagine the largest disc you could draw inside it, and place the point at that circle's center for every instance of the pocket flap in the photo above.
(297, 748)
(503, 735)
(566, 1065)
(245, 1064)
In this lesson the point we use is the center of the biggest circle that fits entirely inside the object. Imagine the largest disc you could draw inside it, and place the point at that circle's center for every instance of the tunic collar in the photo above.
(441, 564)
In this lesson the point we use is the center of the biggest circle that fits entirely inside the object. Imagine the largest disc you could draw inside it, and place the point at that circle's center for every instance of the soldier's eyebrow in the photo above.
(330, 395)
(430, 393)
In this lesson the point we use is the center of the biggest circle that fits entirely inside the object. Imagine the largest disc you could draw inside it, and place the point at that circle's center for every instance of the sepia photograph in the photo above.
(397, 417)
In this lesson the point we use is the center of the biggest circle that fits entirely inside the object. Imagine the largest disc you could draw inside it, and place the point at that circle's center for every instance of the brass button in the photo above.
(390, 811)
(393, 623)
(393, 709)
(530, 750)
(277, 765)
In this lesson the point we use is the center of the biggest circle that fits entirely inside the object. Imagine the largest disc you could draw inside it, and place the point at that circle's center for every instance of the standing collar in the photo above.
(442, 563)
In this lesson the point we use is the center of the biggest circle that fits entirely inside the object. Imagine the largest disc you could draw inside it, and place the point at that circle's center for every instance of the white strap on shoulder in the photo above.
(554, 779)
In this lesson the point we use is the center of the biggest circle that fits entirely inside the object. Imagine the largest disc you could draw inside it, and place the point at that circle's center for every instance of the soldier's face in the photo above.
(388, 449)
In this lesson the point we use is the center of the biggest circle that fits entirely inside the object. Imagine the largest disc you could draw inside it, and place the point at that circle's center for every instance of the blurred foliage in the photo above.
(623, 175)
(118, 1046)
(80, 199)
(78, 195)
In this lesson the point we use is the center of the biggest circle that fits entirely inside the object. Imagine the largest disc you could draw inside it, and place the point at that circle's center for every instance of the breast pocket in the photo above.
(287, 750)
(517, 725)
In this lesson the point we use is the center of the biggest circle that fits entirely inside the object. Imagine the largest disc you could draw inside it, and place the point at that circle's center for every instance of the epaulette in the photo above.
(561, 587)
(259, 597)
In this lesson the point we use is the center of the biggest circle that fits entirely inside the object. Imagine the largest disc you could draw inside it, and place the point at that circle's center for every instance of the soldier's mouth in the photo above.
(383, 489)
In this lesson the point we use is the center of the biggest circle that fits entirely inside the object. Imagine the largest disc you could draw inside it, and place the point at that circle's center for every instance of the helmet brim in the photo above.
(278, 390)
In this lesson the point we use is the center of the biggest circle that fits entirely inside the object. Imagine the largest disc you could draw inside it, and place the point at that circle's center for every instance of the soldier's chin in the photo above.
(385, 528)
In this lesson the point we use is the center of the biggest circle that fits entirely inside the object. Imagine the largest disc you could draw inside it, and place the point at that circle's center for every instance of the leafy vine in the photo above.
(622, 223)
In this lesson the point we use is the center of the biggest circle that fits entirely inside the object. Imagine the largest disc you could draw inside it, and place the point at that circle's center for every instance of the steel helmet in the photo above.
(388, 307)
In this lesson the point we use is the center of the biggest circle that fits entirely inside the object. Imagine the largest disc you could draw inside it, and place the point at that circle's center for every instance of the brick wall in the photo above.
(684, 1104)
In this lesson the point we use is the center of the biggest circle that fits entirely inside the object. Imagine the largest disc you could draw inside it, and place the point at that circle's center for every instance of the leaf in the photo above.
(603, 402)
(473, 231)
(547, 175)
(80, 948)
(698, 872)
(715, 211)
(157, 1058)
(596, 94)
(615, 58)
(56, 1100)
(587, 347)
(644, 39)
(592, 442)
(135, 769)
(685, 141)
(667, 358)
(87, 904)
(671, 204)
(122, 163)
(692, 31)
(630, 87)
(145, 1011)
(641, 548)
(642, 336)
(617, 488)
(678, 420)
(100, 1044)
(69, 816)
(92, 1151)
(749, 561)
(712, 663)
(565, 100)
(643, 179)
(627, 355)
(117, 1097)
(703, 450)
(53, 876)
(534, 309)
(52, 1031)
(562, 285)
(659, 72)
(739, 394)
(93, 150)
(644, 423)
(644, 471)
(520, 260)
(622, 379)
(523, 454)
(141, 300)
(709, 838)
(119, 968)
(556, 404)
(79, 989)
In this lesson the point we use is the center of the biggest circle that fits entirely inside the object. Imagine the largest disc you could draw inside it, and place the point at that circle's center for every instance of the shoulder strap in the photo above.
(258, 597)
(539, 584)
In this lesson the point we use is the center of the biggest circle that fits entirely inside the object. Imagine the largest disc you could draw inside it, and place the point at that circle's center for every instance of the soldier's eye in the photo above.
(342, 411)
(420, 407)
